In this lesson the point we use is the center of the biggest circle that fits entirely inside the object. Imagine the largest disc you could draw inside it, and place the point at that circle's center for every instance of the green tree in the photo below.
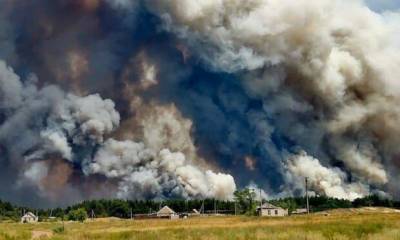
(119, 208)
(246, 201)
(79, 214)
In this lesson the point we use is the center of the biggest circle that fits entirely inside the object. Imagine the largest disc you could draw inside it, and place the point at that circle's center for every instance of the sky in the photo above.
(383, 5)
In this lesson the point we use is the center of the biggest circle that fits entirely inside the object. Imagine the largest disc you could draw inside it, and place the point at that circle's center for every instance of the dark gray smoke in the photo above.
(161, 99)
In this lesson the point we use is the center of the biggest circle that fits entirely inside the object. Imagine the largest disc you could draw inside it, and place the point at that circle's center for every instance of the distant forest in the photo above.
(124, 208)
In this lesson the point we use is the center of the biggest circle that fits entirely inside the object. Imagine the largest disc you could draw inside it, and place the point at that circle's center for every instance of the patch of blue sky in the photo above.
(383, 5)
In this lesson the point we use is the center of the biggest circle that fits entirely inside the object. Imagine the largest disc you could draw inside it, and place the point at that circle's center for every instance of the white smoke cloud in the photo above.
(143, 173)
(258, 191)
(329, 181)
(118, 159)
(76, 121)
(95, 116)
(56, 141)
(363, 161)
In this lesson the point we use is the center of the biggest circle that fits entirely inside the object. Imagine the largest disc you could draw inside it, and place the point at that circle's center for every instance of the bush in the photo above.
(79, 214)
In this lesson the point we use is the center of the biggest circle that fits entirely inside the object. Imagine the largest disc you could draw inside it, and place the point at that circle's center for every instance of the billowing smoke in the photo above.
(148, 174)
(331, 181)
(47, 126)
(326, 72)
(161, 99)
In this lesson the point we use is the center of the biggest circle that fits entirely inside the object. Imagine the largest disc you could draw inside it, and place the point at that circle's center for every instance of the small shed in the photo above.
(300, 211)
(167, 212)
(29, 218)
(269, 210)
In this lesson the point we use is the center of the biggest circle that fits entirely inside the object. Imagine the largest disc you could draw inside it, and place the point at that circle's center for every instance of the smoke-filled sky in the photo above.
(157, 99)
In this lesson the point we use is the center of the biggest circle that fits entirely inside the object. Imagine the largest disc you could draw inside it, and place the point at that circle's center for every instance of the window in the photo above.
(269, 212)
(276, 212)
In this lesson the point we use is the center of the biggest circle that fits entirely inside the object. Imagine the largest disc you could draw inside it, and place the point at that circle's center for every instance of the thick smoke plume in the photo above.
(147, 174)
(331, 181)
(54, 126)
(159, 99)
(326, 71)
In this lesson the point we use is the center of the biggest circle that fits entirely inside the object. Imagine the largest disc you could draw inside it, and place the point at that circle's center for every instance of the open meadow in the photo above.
(375, 224)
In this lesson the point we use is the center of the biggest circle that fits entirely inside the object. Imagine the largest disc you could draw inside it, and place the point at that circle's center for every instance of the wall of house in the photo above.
(274, 212)
(28, 219)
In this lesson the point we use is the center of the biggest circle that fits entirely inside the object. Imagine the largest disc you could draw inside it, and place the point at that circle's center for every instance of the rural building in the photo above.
(167, 212)
(300, 211)
(269, 210)
(29, 218)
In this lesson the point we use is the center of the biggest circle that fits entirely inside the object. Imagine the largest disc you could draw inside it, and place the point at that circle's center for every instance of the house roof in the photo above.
(29, 214)
(269, 206)
(166, 210)
(195, 211)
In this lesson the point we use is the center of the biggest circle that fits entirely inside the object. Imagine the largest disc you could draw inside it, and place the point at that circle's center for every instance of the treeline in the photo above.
(244, 203)
(124, 208)
(117, 208)
(322, 203)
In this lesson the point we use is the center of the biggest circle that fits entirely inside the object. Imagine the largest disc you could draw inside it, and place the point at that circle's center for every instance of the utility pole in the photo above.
(260, 202)
(251, 197)
(131, 214)
(308, 205)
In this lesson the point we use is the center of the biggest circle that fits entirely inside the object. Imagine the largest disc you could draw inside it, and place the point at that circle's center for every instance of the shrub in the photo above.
(79, 214)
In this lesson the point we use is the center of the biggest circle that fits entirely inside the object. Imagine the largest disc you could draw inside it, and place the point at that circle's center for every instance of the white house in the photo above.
(167, 212)
(29, 218)
(269, 210)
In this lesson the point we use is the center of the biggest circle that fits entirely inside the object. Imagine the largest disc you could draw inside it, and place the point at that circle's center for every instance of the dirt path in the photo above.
(40, 234)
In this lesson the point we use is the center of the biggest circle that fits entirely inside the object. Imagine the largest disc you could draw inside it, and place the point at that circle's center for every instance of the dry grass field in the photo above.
(371, 224)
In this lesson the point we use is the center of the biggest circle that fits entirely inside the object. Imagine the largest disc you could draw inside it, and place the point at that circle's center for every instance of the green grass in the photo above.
(338, 226)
